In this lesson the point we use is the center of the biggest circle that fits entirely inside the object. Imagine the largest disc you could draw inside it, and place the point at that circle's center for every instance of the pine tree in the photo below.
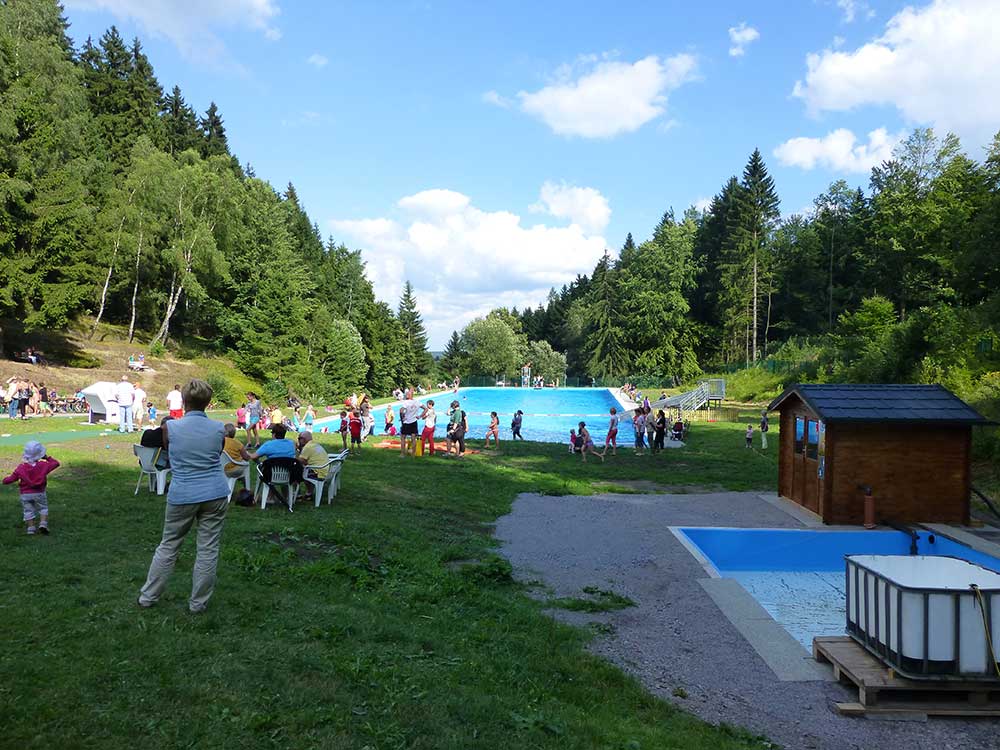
(180, 123)
(606, 342)
(213, 132)
(757, 207)
(416, 336)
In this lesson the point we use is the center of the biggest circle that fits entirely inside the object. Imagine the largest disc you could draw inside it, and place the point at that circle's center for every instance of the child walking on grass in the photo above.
(749, 436)
(32, 474)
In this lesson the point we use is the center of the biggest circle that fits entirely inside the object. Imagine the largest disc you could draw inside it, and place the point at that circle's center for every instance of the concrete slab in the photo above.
(796, 511)
(779, 650)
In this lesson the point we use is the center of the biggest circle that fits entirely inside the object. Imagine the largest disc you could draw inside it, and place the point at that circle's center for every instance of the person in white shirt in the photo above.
(175, 403)
(138, 406)
(409, 412)
(126, 397)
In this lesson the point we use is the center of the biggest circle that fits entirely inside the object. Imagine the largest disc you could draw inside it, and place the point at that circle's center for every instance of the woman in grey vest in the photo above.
(198, 496)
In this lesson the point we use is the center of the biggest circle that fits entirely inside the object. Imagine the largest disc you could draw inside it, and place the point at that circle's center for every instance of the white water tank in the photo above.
(921, 614)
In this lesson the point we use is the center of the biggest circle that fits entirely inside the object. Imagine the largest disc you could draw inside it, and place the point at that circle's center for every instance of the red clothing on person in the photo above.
(355, 427)
(32, 478)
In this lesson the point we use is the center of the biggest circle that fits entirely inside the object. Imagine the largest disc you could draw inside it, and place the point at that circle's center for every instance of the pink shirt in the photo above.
(32, 478)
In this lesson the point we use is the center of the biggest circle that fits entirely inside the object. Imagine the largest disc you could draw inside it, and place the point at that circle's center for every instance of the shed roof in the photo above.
(884, 403)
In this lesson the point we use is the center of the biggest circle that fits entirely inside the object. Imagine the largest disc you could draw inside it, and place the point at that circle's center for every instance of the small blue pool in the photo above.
(797, 575)
(549, 413)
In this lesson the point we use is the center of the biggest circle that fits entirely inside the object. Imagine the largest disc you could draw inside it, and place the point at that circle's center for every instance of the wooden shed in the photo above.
(911, 444)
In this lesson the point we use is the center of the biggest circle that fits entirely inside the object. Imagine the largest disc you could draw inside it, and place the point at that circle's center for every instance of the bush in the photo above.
(83, 361)
(156, 349)
(221, 387)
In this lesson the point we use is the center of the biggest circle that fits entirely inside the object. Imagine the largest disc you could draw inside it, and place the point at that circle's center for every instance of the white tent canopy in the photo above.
(102, 400)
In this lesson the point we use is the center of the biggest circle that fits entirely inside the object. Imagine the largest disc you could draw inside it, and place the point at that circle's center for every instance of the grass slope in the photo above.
(350, 626)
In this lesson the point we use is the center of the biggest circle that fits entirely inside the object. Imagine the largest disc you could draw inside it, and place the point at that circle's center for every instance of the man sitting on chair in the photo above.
(277, 447)
(234, 449)
(312, 457)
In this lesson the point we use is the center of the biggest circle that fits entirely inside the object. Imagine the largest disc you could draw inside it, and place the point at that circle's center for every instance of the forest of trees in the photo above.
(899, 283)
(118, 201)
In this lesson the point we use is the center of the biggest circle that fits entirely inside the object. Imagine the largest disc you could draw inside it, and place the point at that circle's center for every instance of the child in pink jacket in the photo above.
(33, 474)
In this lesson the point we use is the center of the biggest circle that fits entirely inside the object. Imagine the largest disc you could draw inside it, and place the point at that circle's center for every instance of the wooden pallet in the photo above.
(882, 692)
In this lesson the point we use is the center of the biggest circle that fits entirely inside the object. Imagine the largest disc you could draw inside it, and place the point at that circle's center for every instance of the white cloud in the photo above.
(608, 97)
(839, 151)
(190, 24)
(702, 204)
(581, 205)
(317, 60)
(492, 97)
(853, 8)
(740, 36)
(464, 261)
(939, 65)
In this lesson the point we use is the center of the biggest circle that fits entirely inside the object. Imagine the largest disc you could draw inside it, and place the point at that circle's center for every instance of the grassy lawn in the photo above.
(351, 626)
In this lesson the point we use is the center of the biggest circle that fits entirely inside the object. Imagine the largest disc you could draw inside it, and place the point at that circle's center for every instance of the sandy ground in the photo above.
(676, 638)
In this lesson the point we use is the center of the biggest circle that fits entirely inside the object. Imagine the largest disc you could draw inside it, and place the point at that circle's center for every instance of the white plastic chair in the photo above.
(279, 476)
(333, 465)
(226, 459)
(147, 467)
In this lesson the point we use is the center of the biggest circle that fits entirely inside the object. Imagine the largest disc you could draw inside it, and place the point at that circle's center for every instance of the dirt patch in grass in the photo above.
(305, 547)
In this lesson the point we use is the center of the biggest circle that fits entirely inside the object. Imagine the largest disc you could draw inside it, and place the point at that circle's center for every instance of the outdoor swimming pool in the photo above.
(798, 576)
(549, 413)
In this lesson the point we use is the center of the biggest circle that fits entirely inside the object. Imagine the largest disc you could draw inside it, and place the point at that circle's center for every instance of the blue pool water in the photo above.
(549, 413)
(797, 575)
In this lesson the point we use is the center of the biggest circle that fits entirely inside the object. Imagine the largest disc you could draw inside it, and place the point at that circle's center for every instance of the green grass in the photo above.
(349, 626)
(597, 600)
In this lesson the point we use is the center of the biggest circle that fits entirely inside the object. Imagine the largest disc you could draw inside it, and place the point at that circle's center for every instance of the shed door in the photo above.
(805, 463)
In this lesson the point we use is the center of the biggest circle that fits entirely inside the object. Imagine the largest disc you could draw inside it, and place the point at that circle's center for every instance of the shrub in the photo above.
(221, 387)
(156, 349)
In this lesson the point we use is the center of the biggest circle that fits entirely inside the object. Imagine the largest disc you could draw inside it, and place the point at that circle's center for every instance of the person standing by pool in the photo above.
(639, 424)
(763, 430)
(493, 431)
(612, 437)
(430, 421)
(409, 413)
(660, 430)
(390, 419)
(198, 496)
(515, 424)
(583, 437)
(650, 427)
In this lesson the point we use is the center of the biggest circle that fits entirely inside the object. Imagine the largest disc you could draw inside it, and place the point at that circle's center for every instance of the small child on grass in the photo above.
(749, 436)
(343, 428)
(32, 474)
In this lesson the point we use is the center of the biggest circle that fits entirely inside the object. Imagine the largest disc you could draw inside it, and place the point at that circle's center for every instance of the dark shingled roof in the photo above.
(884, 403)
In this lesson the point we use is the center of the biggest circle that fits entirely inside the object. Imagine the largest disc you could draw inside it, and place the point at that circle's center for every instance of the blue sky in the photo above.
(490, 151)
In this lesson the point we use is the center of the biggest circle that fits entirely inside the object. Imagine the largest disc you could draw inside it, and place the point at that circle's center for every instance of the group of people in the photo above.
(650, 431)
(24, 397)
(357, 423)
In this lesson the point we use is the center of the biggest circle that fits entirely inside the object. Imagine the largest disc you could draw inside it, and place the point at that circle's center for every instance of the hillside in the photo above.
(74, 361)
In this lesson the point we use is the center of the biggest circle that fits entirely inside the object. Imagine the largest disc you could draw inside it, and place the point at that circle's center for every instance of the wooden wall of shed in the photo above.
(918, 473)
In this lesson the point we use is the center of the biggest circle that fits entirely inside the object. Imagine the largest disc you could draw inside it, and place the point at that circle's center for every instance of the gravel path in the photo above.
(676, 637)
